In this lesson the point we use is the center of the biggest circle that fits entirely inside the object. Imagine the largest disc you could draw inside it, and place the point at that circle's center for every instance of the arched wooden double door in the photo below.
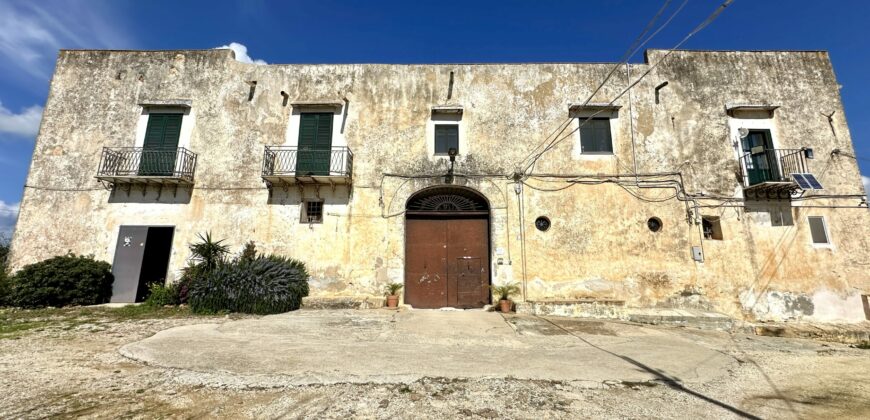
(447, 249)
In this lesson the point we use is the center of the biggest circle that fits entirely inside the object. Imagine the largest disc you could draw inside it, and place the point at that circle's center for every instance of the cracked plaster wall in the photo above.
(598, 245)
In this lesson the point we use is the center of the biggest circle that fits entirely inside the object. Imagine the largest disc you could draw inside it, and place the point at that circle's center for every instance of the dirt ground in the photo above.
(66, 364)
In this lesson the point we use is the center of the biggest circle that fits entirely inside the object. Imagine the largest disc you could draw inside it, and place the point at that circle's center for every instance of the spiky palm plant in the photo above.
(207, 252)
(392, 289)
(505, 291)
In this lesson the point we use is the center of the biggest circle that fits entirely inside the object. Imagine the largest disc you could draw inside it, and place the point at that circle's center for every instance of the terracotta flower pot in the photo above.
(505, 305)
(392, 301)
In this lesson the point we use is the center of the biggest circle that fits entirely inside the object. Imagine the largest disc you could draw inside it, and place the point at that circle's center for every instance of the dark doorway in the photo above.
(447, 249)
(141, 258)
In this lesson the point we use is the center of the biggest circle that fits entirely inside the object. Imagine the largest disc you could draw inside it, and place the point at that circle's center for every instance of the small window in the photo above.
(312, 212)
(446, 137)
(712, 227)
(595, 136)
(818, 230)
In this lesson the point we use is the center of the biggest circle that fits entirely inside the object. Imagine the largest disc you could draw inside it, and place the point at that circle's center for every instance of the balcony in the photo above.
(136, 165)
(283, 165)
(768, 171)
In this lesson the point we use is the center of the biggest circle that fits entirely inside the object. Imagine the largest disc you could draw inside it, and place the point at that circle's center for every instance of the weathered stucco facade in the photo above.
(681, 138)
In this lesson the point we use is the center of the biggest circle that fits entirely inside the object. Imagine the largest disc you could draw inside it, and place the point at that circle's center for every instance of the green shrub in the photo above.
(190, 274)
(4, 289)
(61, 281)
(160, 295)
(249, 252)
(4, 277)
(263, 285)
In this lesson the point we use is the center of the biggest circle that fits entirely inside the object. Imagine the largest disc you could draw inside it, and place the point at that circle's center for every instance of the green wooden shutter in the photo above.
(315, 144)
(762, 166)
(161, 145)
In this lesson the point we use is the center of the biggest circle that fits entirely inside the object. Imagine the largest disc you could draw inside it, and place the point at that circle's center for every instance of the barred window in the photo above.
(312, 212)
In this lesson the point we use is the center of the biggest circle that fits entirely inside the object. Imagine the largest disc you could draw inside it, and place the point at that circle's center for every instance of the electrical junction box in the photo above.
(697, 254)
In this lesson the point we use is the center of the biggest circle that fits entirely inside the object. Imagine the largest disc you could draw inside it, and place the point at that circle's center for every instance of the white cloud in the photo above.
(8, 215)
(31, 33)
(241, 53)
(866, 181)
(24, 124)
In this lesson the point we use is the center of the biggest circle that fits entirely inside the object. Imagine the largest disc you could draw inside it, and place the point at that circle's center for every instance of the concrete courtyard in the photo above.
(325, 347)
(419, 364)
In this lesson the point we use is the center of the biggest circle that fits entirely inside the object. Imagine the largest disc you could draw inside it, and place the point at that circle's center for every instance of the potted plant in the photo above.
(392, 292)
(504, 293)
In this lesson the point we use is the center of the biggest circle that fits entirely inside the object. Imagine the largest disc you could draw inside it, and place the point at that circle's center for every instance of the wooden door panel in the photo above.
(468, 262)
(426, 263)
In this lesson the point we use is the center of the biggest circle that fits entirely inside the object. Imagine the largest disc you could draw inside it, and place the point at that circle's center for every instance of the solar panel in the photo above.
(813, 181)
(807, 181)
(802, 182)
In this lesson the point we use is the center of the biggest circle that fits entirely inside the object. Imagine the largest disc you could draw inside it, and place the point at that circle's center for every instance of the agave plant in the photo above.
(263, 285)
(505, 291)
(392, 289)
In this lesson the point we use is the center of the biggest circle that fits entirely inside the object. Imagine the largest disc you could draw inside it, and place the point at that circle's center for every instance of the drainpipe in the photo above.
(631, 120)
(518, 189)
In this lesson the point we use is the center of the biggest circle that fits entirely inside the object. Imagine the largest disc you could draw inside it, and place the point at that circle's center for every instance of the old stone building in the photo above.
(679, 192)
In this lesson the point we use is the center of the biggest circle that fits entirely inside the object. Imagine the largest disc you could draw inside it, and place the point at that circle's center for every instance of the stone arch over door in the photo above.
(447, 248)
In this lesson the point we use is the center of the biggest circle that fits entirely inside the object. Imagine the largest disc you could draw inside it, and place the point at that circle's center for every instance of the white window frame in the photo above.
(582, 115)
(751, 120)
(830, 243)
(291, 136)
(444, 118)
(188, 119)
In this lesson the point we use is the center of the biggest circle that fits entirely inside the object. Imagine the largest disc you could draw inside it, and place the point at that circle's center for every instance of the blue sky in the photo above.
(328, 31)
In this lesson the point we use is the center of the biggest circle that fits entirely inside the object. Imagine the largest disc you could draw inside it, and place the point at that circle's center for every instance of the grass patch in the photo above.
(13, 330)
(17, 322)
(135, 312)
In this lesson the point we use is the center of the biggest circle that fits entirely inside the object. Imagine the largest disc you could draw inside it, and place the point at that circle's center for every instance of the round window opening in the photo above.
(654, 224)
(542, 223)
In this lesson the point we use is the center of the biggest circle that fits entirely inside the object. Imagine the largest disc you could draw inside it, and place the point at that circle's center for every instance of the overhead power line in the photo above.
(670, 51)
(635, 46)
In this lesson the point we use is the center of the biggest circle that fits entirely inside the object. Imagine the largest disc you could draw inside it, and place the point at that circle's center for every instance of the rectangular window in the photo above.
(595, 136)
(312, 212)
(446, 137)
(712, 228)
(818, 230)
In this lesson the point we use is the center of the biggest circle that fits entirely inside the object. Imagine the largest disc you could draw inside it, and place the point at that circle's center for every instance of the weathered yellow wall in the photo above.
(598, 245)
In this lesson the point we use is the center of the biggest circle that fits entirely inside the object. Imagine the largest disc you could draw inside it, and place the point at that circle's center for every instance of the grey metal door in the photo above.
(127, 266)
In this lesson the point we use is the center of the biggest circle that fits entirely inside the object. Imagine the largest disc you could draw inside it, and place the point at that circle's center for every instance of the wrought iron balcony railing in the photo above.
(301, 164)
(134, 164)
(772, 166)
